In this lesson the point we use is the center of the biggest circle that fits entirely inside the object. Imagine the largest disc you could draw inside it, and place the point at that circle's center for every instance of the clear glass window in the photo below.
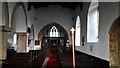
(93, 23)
(77, 32)
(53, 32)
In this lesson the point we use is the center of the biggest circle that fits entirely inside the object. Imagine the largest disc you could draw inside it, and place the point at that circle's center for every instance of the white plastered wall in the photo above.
(58, 14)
(108, 13)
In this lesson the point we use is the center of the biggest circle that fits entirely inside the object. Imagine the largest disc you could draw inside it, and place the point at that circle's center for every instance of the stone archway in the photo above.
(19, 26)
(48, 26)
(17, 5)
(114, 44)
(5, 14)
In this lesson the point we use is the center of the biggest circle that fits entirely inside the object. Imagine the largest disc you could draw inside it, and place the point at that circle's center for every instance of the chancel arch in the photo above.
(49, 26)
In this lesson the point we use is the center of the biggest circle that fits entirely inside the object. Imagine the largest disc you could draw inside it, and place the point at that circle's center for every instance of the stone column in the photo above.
(3, 42)
(119, 49)
(21, 42)
(114, 50)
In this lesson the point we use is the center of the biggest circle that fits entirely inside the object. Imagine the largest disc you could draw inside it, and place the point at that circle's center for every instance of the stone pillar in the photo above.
(21, 42)
(119, 49)
(3, 42)
(114, 50)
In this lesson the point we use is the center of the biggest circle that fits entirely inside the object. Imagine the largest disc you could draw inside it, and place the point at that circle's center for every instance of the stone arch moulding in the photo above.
(5, 12)
(115, 25)
(17, 5)
(48, 26)
(32, 32)
(114, 44)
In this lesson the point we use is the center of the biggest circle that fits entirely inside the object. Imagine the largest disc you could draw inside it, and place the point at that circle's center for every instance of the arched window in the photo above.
(93, 22)
(53, 32)
(77, 32)
(15, 39)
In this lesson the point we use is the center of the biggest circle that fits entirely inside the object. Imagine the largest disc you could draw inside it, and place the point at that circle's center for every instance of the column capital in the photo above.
(21, 33)
(5, 28)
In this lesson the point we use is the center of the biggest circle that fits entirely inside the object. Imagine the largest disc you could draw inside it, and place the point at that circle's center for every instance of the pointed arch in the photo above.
(53, 32)
(5, 12)
(114, 43)
(115, 25)
(22, 7)
(49, 26)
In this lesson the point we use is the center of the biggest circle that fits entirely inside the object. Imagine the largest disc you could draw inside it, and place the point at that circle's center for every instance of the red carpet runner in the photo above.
(52, 62)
